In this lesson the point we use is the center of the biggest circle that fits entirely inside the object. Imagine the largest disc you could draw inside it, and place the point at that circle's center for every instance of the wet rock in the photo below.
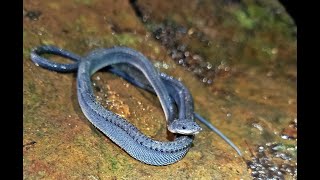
(33, 14)
(271, 162)
(170, 35)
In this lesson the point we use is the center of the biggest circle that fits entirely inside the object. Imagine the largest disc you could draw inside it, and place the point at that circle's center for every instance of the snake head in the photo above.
(184, 126)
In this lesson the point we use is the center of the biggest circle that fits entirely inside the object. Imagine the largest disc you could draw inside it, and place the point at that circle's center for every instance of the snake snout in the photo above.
(184, 126)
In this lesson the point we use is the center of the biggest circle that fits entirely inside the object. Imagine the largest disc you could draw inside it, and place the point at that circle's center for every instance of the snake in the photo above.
(118, 129)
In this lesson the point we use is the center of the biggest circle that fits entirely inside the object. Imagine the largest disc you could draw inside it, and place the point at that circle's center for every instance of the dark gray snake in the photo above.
(137, 69)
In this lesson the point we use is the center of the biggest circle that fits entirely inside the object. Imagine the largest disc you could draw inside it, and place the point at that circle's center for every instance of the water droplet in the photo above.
(145, 18)
(274, 51)
(157, 65)
(290, 101)
(205, 80)
(63, 67)
(181, 61)
(55, 65)
(261, 148)
(165, 66)
(285, 136)
(269, 74)
(209, 65)
(190, 31)
(258, 126)
(197, 57)
(197, 71)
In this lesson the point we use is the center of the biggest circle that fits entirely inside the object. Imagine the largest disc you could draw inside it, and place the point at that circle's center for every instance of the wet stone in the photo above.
(169, 35)
(33, 15)
(265, 163)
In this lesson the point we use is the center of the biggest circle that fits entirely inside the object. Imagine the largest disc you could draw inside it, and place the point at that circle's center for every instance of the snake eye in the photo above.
(183, 127)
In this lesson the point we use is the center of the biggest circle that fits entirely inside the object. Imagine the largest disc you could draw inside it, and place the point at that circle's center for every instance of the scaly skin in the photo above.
(119, 130)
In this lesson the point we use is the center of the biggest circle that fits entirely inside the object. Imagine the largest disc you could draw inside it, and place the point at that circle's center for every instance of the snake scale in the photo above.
(138, 70)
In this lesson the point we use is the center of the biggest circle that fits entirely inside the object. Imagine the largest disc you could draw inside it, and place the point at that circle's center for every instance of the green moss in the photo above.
(31, 87)
(244, 19)
(28, 39)
(47, 42)
(286, 148)
(128, 165)
(114, 164)
(127, 39)
(80, 22)
(26, 53)
(262, 17)
(32, 99)
(40, 134)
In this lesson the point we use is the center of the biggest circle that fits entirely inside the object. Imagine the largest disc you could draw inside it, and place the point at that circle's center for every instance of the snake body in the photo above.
(118, 129)
(177, 90)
